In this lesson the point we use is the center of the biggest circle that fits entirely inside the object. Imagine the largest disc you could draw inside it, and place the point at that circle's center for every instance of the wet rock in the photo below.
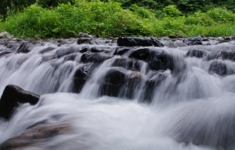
(2, 53)
(134, 41)
(133, 81)
(12, 96)
(121, 50)
(228, 55)
(160, 60)
(84, 40)
(141, 54)
(81, 75)
(196, 53)
(151, 85)
(128, 64)
(95, 58)
(218, 68)
(114, 81)
(24, 48)
(193, 41)
(34, 137)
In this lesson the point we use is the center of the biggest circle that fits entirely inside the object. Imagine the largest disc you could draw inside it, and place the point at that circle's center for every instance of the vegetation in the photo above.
(111, 18)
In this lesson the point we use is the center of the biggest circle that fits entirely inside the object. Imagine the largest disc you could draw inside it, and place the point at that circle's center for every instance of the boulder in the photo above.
(218, 68)
(196, 53)
(135, 41)
(152, 84)
(24, 48)
(121, 50)
(6, 35)
(193, 41)
(12, 96)
(128, 64)
(114, 81)
(95, 58)
(132, 84)
(85, 40)
(160, 60)
(81, 75)
(141, 54)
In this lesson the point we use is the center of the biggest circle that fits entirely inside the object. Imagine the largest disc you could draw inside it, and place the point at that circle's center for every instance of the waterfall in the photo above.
(103, 96)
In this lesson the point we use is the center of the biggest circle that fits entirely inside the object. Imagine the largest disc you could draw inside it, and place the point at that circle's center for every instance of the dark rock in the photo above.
(24, 48)
(84, 49)
(193, 41)
(12, 95)
(133, 81)
(229, 55)
(2, 53)
(95, 58)
(160, 60)
(114, 81)
(128, 64)
(152, 84)
(96, 49)
(218, 68)
(81, 75)
(134, 41)
(84, 40)
(141, 54)
(196, 53)
(121, 51)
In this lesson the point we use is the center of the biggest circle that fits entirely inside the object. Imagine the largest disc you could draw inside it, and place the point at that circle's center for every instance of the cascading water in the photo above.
(103, 96)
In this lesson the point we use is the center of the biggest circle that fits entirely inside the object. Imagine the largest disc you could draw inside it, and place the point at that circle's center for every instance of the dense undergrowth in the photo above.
(107, 19)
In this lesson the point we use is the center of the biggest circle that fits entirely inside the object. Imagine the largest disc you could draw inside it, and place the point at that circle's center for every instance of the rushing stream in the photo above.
(106, 97)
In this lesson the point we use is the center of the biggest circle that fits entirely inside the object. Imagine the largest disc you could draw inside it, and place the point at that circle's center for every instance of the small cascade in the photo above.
(102, 94)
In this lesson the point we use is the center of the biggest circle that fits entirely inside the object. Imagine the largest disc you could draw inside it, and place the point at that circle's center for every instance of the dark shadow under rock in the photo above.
(12, 96)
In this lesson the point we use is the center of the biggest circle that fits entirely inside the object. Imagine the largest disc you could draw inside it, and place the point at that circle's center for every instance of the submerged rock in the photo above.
(196, 53)
(12, 96)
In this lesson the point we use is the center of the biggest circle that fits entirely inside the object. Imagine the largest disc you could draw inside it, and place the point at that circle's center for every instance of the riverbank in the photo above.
(109, 19)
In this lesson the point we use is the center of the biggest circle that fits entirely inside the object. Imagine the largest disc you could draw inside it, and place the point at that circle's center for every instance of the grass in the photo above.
(110, 20)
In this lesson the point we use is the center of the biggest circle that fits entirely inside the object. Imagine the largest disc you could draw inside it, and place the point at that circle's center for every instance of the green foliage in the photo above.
(48, 3)
(171, 11)
(106, 19)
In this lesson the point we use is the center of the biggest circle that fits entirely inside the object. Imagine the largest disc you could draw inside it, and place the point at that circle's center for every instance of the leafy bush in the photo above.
(106, 19)
(171, 11)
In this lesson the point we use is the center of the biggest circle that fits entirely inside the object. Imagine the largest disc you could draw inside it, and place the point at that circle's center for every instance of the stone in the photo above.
(218, 68)
(24, 48)
(193, 41)
(196, 53)
(95, 58)
(141, 54)
(6, 35)
(128, 64)
(114, 81)
(121, 50)
(12, 96)
(82, 35)
(81, 75)
(160, 60)
(134, 41)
